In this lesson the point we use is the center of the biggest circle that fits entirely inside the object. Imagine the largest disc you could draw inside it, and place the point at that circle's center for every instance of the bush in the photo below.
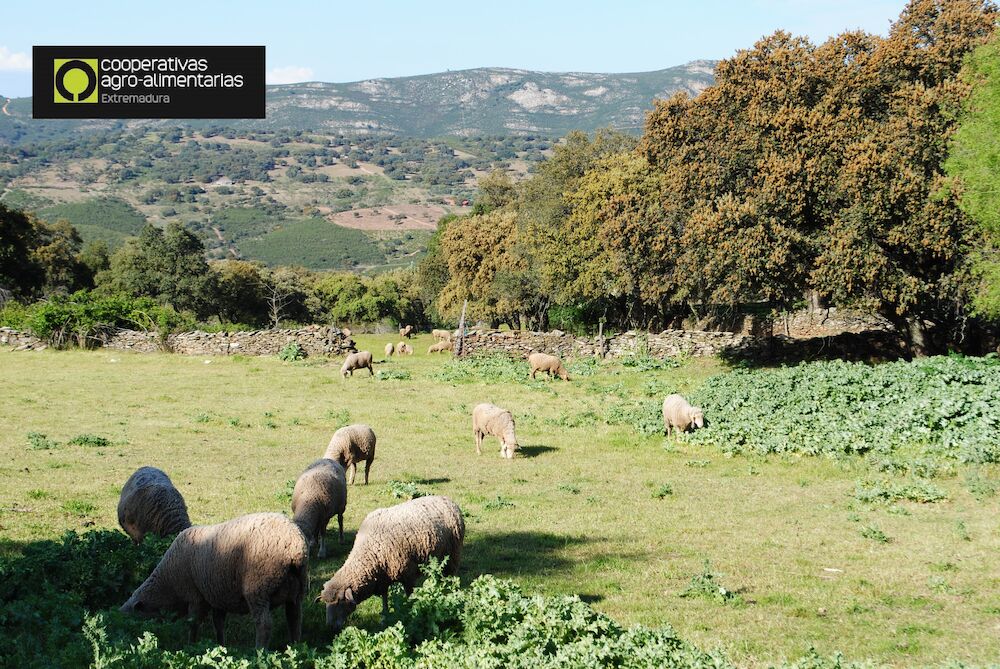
(292, 352)
(944, 406)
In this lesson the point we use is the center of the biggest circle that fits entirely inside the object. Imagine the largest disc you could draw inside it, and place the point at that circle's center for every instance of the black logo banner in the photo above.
(210, 82)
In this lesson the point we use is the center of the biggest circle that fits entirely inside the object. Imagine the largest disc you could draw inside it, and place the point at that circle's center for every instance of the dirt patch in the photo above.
(392, 217)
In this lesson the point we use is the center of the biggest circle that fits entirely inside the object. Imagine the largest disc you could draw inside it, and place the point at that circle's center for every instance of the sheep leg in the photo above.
(293, 615)
(368, 465)
(219, 622)
(196, 611)
(321, 553)
(479, 442)
(451, 568)
(385, 603)
(340, 526)
(371, 372)
(352, 469)
(262, 616)
(533, 372)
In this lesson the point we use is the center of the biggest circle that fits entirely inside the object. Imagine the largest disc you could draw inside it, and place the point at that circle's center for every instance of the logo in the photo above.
(75, 80)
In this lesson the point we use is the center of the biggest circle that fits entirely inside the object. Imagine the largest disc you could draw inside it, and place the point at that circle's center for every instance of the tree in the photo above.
(240, 292)
(20, 273)
(974, 158)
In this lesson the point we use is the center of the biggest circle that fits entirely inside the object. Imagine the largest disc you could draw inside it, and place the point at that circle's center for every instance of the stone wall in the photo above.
(519, 343)
(808, 323)
(20, 341)
(315, 340)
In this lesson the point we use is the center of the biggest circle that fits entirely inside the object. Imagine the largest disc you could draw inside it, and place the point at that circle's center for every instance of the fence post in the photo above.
(460, 340)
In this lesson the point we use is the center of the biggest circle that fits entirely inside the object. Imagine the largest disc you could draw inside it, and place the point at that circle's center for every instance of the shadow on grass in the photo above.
(871, 346)
(535, 451)
(516, 553)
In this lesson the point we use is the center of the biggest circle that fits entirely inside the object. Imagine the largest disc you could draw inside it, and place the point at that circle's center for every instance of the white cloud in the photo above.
(291, 74)
(14, 60)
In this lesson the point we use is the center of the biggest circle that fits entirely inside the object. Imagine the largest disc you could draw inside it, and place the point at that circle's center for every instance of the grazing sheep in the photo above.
(444, 345)
(489, 419)
(389, 350)
(150, 503)
(346, 332)
(441, 334)
(402, 348)
(406, 331)
(350, 445)
(250, 564)
(359, 360)
(542, 362)
(319, 495)
(390, 546)
(680, 415)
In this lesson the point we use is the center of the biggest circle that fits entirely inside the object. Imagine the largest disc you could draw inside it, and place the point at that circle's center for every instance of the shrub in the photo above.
(943, 405)
(706, 585)
(40, 442)
(405, 490)
(91, 440)
(292, 352)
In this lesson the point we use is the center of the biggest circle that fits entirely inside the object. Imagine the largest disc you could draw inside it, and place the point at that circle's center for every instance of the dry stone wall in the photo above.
(519, 343)
(20, 341)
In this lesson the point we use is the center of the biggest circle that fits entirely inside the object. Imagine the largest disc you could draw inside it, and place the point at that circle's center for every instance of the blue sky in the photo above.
(341, 41)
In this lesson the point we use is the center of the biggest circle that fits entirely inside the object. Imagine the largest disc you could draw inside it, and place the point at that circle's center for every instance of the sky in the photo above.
(339, 41)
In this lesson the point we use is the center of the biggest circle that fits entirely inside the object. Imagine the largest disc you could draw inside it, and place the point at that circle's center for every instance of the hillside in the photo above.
(482, 101)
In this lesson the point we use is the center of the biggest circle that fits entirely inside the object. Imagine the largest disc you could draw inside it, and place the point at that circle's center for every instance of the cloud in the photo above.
(291, 74)
(14, 60)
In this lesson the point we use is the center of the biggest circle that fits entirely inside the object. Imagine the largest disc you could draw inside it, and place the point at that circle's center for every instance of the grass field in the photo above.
(622, 519)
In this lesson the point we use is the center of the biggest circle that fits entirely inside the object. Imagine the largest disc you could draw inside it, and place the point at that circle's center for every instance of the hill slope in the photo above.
(482, 101)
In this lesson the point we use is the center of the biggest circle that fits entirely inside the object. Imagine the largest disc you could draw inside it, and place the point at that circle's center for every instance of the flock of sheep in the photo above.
(257, 562)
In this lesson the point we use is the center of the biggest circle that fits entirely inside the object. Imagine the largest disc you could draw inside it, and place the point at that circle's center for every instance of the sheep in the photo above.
(489, 419)
(680, 415)
(542, 362)
(150, 503)
(319, 495)
(443, 345)
(402, 348)
(359, 360)
(346, 332)
(350, 445)
(441, 334)
(389, 350)
(247, 565)
(406, 331)
(390, 546)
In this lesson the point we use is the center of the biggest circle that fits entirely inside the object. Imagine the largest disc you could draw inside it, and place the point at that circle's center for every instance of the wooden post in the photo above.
(600, 336)
(460, 340)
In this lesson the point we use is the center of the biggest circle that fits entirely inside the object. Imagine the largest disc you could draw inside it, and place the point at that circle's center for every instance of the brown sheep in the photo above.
(359, 360)
(441, 334)
(247, 565)
(389, 350)
(390, 546)
(542, 362)
(406, 332)
(320, 494)
(350, 445)
(679, 415)
(150, 503)
(491, 420)
(444, 345)
(402, 348)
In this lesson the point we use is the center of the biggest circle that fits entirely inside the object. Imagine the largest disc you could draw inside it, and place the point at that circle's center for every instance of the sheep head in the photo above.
(697, 417)
(151, 600)
(340, 603)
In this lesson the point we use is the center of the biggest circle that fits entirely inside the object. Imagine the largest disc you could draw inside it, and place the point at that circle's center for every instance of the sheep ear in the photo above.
(349, 596)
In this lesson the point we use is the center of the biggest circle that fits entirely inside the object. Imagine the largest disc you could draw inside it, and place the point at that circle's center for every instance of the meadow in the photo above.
(764, 556)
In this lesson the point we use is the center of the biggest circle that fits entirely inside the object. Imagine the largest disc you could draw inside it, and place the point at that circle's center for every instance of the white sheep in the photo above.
(349, 446)
(402, 348)
(489, 419)
(678, 414)
(359, 360)
(543, 362)
(389, 350)
(320, 494)
(390, 546)
(443, 345)
(249, 564)
(441, 334)
(150, 503)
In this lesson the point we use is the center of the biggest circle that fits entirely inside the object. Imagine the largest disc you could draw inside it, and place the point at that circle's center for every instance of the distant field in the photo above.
(315, 243)
(592, 506)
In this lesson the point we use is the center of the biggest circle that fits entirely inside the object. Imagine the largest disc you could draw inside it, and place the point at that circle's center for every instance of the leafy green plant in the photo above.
(498, 503)
(89, 440)
(40, 442)
(392, 374)
(292, 352)
(875, 534)
(644, 416)
(664, 490)
(705, 585)
(405, 490)
(284, 496)
(888, 492)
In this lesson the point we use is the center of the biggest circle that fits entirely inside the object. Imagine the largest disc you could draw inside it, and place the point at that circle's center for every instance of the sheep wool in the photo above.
(150, 503)
(679, 415)
(246, 565)
(320, 494)
(441, 334)
(402, 348)
(359, 360)
(542, 362)
(350, 445)
(491, 420)
(443, 345)
(389, 349)
(390, 546)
